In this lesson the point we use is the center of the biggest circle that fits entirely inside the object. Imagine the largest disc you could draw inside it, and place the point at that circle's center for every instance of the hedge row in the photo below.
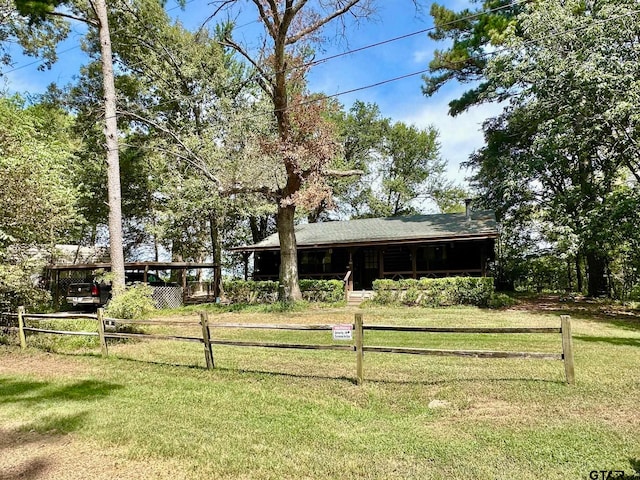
(251, 292)
(435, 292)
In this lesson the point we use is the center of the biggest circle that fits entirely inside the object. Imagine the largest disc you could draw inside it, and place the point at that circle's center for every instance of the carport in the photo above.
(58, 281)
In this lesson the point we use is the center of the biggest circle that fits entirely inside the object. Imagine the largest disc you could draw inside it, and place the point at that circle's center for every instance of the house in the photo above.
(415, 246)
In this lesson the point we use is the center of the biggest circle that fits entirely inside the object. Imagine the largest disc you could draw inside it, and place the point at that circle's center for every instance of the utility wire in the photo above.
(486, 55)
(75, 47)
(373, 45)
(342, 54)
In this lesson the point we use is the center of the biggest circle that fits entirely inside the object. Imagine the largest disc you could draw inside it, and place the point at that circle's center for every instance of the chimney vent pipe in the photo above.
(467, 208)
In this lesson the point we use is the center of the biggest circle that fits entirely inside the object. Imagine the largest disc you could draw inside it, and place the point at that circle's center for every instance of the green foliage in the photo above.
(471, 38)
(135, 302)
(37, 194)
(62, 343)
(401, 163)
(248, 292)
(17, 287)
(434, 292)
(327, 291)
(501, 300)
(559, 158)
(543, 273)
(19, 24)
(252, 292)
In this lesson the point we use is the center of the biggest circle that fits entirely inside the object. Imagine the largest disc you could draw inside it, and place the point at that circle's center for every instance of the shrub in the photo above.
(435, 292)
(248, 291)
(17, 287)
(322, 290)
(134, 303)
(251, 292)
(501, 300)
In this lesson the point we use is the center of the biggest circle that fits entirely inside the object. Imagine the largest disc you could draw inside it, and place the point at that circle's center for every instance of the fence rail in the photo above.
(357, 328)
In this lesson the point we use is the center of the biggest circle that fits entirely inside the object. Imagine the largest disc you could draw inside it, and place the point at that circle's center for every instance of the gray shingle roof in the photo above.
(451, 226)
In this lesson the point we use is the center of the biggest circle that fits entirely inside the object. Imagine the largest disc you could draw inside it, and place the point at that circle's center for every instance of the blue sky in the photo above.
(401, 100)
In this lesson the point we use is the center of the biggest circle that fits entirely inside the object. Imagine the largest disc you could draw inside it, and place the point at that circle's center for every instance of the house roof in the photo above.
(372, 231)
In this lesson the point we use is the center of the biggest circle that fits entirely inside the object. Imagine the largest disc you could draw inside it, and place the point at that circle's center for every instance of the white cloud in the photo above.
(422, 56)
(459, 136)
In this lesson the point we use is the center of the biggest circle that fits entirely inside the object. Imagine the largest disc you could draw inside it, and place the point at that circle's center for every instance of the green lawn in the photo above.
(266, 413)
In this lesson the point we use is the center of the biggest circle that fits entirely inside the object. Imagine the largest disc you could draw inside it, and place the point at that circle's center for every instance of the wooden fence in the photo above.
(354, 331)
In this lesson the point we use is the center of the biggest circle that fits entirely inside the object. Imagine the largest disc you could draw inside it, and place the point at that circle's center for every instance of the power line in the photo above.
(338, 55)
(487, 54)
(413, 74)
(413, 34)
(75, 47)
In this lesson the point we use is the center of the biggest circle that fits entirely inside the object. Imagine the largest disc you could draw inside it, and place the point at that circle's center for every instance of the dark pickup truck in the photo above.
(88, 294)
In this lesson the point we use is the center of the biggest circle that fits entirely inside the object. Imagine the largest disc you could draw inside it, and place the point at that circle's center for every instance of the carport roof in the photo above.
(391, 230)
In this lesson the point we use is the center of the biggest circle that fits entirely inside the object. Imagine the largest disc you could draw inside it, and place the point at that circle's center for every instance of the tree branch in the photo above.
(199, 162)
(320, 23)
(270, 25)
(243, 189)
(88, 21)
(343, 173)
(228, 42)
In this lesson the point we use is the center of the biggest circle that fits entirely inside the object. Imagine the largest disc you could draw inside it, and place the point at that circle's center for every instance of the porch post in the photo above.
(184, 285)
(350, 286)
(414, 262)
(483, 259)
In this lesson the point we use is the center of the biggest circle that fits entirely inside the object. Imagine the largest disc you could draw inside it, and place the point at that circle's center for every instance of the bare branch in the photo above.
(343, 173)
(243, 189)
(269, 24)
(192, 158)
(323, 21)
(263, 74)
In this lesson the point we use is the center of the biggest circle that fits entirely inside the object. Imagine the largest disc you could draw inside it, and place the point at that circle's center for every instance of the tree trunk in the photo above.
(113, 159)
(579, 274)
(289, 286)
(216, 254)
(597, 283)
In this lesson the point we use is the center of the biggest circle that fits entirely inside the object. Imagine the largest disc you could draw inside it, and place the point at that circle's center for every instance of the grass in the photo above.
(266, 413)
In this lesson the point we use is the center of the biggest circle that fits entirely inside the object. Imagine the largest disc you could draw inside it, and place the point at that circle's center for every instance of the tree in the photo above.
(401, 164)
(410, 168)
(184, 97)
(474, 33)
(569, 139)
(37, 195)
(36, 40)
(305, 143)
(95, 14)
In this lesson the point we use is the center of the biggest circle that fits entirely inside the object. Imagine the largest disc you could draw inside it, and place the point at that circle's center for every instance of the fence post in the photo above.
(23, 338)
(567, 348)
(359, 351)
(103, 341)
(206, 339)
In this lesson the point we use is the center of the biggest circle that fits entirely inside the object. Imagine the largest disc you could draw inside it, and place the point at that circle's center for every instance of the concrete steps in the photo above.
(357, 297)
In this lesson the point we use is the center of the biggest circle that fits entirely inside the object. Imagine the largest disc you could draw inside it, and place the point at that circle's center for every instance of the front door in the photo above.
(365, 268)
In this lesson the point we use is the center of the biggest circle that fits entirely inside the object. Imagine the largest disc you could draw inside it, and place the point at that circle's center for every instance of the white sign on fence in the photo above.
(342, 332)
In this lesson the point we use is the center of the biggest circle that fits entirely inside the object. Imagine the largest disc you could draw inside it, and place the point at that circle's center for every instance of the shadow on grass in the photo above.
(32, 437)
(31, 392)
(619, 341)
(45, 429)
(582, 309)
(352, 380)
(32, 469)
(425, 382)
